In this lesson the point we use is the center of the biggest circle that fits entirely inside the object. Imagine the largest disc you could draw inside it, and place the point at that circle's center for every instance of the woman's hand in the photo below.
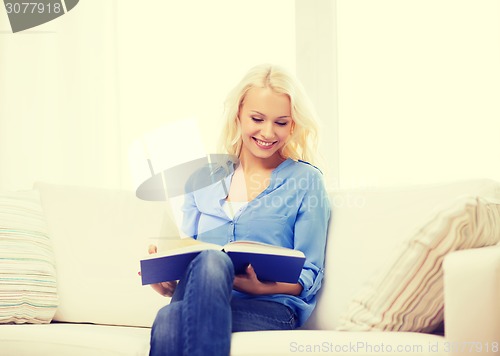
(249, 283)
(164, 288)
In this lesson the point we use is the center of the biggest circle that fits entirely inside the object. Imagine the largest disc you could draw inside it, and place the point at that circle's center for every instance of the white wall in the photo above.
(58, 113)
(76, 91)
(316, 51)
(419, 89)
(182, 59)
(407, 89)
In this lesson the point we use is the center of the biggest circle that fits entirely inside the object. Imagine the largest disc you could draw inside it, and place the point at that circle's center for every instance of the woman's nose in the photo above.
(267, 130)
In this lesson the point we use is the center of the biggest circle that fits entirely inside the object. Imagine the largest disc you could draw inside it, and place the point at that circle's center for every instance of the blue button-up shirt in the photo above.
(293, 211)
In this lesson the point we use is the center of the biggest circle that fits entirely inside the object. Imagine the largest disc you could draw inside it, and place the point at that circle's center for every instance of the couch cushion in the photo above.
(407, 294)
(99, 236)
(328, 342)
(74, 340)
(28, 292)
(101, 340)
(367, 226)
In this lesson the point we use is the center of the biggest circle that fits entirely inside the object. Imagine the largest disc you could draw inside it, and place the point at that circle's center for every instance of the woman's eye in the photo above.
(258, 120)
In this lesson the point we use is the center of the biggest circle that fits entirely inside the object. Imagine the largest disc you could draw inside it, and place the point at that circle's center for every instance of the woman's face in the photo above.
(266, 123)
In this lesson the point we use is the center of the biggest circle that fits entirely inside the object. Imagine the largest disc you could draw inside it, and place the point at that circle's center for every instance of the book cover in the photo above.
(271, 263)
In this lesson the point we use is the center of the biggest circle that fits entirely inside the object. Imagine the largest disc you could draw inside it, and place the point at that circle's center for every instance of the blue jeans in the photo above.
(201, 316)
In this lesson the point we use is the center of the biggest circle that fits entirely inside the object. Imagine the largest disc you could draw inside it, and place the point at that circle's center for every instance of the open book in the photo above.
(271, 263)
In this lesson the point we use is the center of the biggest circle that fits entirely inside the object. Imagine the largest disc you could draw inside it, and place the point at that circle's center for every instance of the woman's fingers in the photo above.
(152, 249)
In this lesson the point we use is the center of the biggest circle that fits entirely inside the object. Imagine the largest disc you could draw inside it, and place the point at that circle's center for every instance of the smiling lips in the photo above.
(263, 144)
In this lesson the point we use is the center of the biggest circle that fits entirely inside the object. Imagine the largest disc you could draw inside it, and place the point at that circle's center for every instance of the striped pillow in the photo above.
(27, 270)
(407, 295)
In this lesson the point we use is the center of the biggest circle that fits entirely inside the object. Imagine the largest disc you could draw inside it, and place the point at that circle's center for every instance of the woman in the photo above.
(274, 197)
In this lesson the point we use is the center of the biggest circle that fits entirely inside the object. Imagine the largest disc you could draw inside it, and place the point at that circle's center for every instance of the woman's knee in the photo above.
(216, 263)
(167, 314)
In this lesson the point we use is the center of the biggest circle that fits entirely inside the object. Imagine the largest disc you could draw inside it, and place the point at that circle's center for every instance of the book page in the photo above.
(262, 248)
(180, 246)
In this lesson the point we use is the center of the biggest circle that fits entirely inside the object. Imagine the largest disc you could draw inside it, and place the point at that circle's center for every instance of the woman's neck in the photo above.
(252, 163)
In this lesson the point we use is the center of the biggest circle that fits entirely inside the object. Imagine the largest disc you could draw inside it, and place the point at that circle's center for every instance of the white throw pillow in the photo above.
(28, 291)
(407, 294)
(99, 236)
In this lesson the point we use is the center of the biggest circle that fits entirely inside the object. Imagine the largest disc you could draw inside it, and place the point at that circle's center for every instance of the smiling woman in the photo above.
(264, 114)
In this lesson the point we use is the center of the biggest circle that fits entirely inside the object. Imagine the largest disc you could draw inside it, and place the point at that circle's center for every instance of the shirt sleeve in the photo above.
(191, 216)
(310, 233)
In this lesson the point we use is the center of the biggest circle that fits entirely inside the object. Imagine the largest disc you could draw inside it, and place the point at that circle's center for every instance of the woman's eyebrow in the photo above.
(258, 113)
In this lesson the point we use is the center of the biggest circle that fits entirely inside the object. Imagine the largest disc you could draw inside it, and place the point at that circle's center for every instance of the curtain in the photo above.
(58, 100)
(77, 91)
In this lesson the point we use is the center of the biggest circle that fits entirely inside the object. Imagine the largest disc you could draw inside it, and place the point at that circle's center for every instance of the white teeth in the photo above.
(262, 143)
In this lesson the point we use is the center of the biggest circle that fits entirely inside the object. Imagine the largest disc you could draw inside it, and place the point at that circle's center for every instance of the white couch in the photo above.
(99, 235)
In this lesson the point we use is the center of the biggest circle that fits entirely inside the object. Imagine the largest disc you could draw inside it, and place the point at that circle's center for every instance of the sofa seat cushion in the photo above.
(328, 342)
(73, 339)
(103, 340)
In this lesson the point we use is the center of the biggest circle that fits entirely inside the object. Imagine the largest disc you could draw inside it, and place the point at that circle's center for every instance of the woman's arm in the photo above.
(249, 283)
(309, 230)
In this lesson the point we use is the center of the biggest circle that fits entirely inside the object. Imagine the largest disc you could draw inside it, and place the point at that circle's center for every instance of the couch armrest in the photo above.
(472, 296)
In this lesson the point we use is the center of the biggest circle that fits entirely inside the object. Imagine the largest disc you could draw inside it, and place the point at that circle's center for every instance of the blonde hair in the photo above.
(303, 141)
